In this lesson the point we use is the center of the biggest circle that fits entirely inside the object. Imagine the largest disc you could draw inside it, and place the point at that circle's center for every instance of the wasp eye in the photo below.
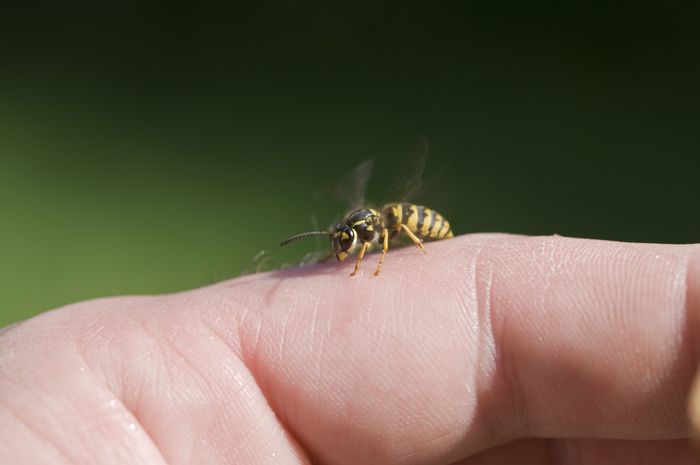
(343, 239)
(347, 237)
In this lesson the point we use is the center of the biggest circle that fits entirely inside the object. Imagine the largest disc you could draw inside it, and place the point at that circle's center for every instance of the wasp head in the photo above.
(343, 240)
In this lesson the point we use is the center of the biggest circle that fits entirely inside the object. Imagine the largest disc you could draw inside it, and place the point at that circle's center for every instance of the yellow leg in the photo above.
(385, 236)
(365, 246)
(413, 237)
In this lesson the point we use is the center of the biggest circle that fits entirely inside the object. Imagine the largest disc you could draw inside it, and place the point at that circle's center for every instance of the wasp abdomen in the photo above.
(421, 221)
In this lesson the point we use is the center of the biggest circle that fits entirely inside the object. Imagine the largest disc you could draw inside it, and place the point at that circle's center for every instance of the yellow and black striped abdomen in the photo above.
(421, 221)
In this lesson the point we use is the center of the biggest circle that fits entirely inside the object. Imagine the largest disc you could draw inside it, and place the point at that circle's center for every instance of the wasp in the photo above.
(366, 227)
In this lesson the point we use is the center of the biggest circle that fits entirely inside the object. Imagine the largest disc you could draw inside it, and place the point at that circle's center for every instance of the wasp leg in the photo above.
(413, 237)
(365, 246)
(385, 236)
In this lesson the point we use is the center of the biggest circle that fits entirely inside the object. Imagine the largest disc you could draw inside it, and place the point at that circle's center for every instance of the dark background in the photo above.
(153, 147)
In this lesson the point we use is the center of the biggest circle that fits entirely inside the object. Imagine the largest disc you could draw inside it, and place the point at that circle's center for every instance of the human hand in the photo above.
(490, 349)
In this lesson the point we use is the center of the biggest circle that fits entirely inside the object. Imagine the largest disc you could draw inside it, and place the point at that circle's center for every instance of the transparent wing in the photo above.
(350, 189)
(409, 181)
(412, 184)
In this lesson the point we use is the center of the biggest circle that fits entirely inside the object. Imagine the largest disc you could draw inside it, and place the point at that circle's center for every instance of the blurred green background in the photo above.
(155, 147)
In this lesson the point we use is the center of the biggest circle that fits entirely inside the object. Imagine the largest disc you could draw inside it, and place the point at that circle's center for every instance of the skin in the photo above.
(490, 349)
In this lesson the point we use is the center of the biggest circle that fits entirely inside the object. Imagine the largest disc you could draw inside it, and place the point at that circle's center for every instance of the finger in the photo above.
(440, 357)
(131, 380)
(481, 341)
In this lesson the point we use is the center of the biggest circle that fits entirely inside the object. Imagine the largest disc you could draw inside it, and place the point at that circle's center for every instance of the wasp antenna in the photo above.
(303, 235)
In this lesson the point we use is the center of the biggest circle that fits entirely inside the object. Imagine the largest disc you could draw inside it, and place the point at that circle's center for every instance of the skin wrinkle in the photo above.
(132, 412)
(58, 447)
(245, 441)
(386, 332)
(335, 399)
(285, 410)
(424, 355)
(179, 354)
(681, 286)
(271, 286)
(675, 347)
(120, 383)
(238, 310)
(85, 341)
(80, 351)
(543, 267)
(169, 370)
(75, 348)
(250, 359)
(487, 350)
(289, 331)
(468, 310)
(620, 317)
(552, 297)
(314, 320)
(324, 336)
(132, 389)
(545, 261)
(224, 341)
(250, 349)
(516, 413)
(466, 324)
(245, 446)
(136, 390)
(173, 350)
(151, 335)
(683, 337)
(319, 352)
(332, 322)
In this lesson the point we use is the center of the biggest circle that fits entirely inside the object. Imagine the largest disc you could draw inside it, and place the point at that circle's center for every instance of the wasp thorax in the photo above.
(343, 239)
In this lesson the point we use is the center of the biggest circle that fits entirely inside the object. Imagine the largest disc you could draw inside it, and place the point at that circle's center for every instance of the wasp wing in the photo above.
(351, 188)
(409, 181)
(412, 184)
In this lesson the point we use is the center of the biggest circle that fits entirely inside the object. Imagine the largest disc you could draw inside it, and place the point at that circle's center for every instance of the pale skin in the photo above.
(488, 349)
